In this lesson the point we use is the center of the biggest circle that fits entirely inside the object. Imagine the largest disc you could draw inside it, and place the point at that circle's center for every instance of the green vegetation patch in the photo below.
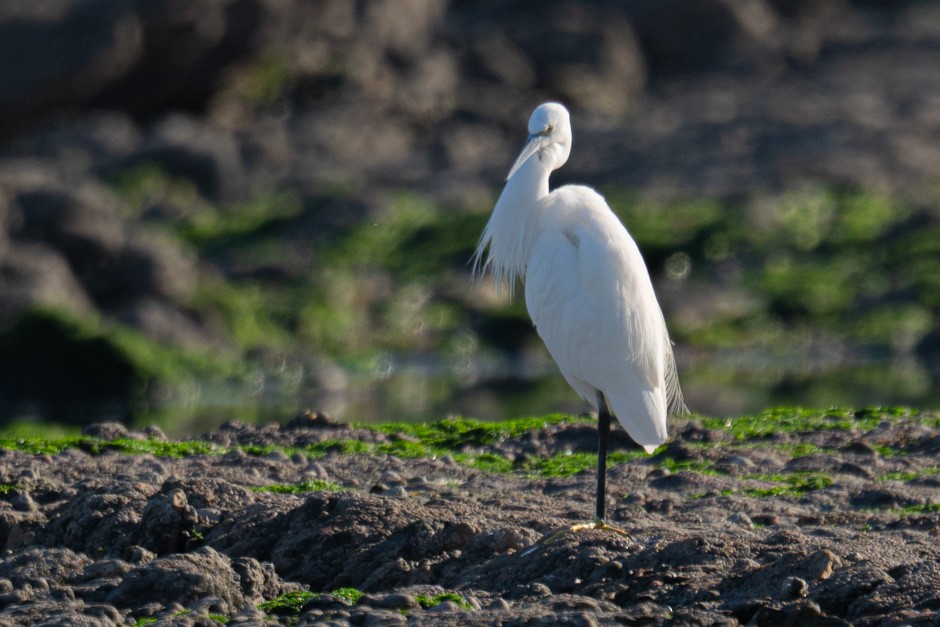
(426, 601)
(291, 602)
(919, 509)
(455, 433)
(287, 603)
(158, 448)
(465, 440)
(791, 484)
(774, 421)
(889, 451)
(701, 466)
(96, 446)
(911, 475)
(350, 595)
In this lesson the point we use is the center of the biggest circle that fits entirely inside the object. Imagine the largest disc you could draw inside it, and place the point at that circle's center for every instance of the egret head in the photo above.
(549, 137)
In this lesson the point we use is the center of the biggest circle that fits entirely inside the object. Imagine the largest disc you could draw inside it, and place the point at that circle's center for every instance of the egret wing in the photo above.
(590, 296)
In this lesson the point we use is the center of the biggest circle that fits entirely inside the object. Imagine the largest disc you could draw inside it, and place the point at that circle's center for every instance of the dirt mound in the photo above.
(833, 522)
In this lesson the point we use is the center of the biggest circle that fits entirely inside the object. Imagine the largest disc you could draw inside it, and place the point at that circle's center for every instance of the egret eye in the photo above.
(548, 129)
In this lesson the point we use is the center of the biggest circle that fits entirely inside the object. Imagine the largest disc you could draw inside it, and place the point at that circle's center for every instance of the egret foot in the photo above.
(600, 525)
(597, 523)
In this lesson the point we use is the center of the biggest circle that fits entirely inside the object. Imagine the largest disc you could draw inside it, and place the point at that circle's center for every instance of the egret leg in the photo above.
(603, 435)
(603, 431)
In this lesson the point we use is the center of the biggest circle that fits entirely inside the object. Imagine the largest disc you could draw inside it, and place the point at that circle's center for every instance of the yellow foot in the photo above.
(597, 523)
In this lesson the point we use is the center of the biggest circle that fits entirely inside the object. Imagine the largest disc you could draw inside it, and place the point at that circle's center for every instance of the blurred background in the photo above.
(238, 209)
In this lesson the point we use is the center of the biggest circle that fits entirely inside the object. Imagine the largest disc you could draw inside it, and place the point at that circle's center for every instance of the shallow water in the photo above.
(415, 389)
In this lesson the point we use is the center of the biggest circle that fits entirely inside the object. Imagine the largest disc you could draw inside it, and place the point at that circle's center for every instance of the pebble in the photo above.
(106, 568)
(29, 474)
(738, 460)
(235, 455)
(154, 432)
(444, 606)
(249, 615)
(315, 470)
(138, 555)
(498, 604)
(277, 456)
(380, 618)
(821, 564)
(23, 502)
(397, 600)
(854, 469)
(390, 477)
(209, 515)
(794, 588)
(398, 492)
(62, 594)
(742, 519)
(539, 589)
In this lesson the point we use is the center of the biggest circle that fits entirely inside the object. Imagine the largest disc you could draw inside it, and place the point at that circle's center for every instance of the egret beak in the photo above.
(535, 143)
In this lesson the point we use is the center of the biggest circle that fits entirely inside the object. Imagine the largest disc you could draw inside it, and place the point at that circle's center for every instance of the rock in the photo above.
(183, 578)
(803, 612)
(794, 588)
(38, 276)
(83, 224)
(166, 522)
(391, 477)
(879, 498)
(821, 564)
(586, 53)
(38, 567)
(138, 555)
(185, 147)
(23, 502)
(398, 492)
(703, 35)
(499, 541)
(324, 602)
(313, 420)
(740, 518)
(165, 322)
(397, 601)
(148, 265)
(913, 584)
(102, 519)
(154, 432)
(104, 39)
(258, 580)
(860, 447)
(106, 430)
(445, 606)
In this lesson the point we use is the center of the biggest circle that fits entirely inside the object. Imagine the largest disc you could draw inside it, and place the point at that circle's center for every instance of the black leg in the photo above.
(603, 432)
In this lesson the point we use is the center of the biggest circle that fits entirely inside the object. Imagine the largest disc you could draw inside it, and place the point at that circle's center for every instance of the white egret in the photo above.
(587, 290)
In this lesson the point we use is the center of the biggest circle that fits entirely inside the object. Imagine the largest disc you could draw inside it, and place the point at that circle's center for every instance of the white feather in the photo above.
(587, 288)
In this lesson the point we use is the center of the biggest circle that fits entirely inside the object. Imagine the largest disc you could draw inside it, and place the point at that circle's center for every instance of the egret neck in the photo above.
(516, 219)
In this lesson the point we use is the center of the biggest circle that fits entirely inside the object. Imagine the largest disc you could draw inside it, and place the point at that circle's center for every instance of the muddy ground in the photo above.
(823, 527)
